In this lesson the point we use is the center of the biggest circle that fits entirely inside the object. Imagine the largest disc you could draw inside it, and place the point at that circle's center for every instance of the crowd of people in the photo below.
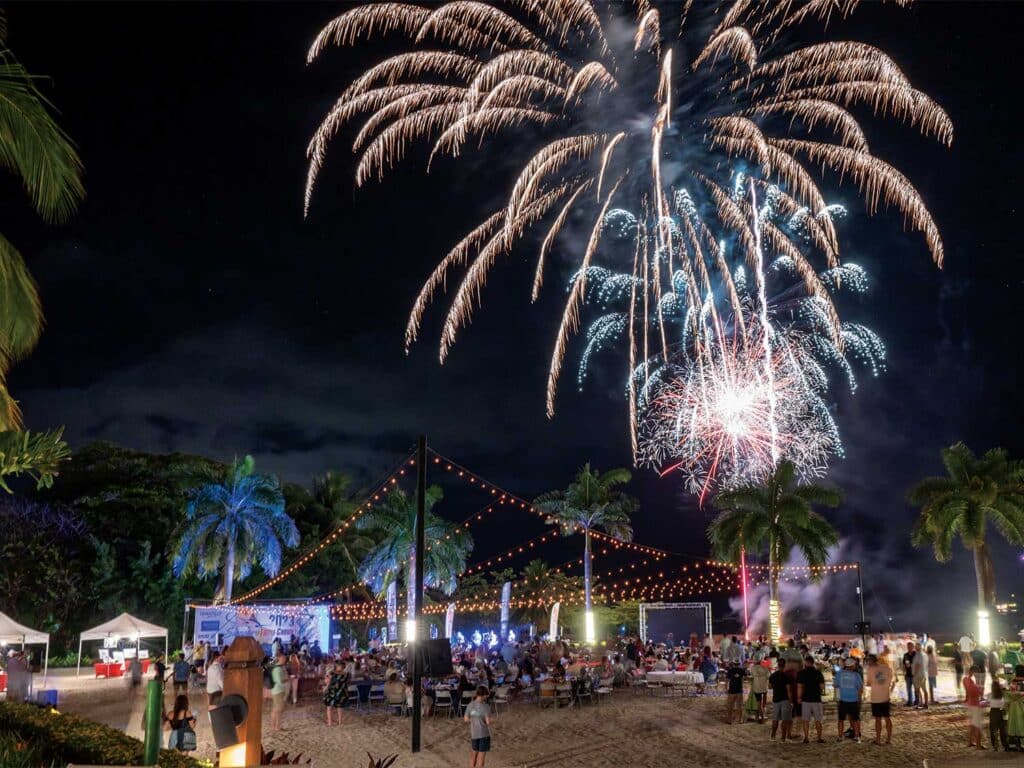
(786, 683)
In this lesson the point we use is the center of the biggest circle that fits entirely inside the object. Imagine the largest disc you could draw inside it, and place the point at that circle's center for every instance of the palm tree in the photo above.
(36, 150)
(591, 503)
(393, 559)
(975, 493)
(777, 514)
(233, 522)
(545, 585)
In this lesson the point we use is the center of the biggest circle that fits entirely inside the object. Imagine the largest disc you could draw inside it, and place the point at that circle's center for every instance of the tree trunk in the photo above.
(586, 567)
(228, 576)
(773, 579)
(984, 576)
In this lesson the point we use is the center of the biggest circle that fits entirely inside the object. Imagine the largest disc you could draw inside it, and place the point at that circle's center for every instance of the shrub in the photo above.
(948, 650)
(15, 752)
(70, 738)
(69, 659)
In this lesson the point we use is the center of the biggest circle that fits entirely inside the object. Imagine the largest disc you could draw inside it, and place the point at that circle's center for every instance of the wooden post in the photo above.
(243, 676)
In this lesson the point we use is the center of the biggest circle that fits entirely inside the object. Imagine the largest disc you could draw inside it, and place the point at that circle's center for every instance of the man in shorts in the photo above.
(850, 685)
(782, 702)
(810, 686)
(882, 681)
(734, 693)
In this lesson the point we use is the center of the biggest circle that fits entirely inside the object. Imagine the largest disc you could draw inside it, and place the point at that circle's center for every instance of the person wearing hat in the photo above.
(850, 684)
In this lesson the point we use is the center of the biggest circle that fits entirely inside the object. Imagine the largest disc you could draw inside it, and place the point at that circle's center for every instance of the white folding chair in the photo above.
(465, 700)
(352, 698)
(563, 695)
(376, 694)
(443, 701)
(604, 688)
(500, 697)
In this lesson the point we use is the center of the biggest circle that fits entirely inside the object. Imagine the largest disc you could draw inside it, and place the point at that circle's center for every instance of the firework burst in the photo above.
(709, 86)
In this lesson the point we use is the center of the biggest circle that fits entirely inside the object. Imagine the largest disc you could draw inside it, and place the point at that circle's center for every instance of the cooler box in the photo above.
(49, 696)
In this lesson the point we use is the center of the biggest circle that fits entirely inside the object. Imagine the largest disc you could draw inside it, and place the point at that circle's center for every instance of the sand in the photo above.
(625, 730)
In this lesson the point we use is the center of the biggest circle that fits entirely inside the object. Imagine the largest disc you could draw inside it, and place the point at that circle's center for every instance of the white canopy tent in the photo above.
(12, 632)
(124, 626)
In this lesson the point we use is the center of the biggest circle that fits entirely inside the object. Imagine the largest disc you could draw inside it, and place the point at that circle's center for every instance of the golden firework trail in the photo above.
(611, 108)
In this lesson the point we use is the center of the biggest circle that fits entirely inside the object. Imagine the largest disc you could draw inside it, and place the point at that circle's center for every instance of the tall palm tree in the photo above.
(393, 560)
(779, 515)
(35, 149)
(974, 494)
(591, 503)
(232, 523)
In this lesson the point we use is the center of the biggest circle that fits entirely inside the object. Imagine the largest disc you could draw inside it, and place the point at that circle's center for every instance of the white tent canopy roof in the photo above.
(126, 626)
(13, 632)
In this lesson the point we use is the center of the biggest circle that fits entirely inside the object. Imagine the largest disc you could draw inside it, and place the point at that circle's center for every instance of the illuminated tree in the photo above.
(778, 515)
(235, 520)
(591, 503)
(975, 494)
(393, 560)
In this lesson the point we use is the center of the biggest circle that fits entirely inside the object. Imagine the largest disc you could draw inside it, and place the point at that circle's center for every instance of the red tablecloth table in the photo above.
(3, 682)
(108, 670)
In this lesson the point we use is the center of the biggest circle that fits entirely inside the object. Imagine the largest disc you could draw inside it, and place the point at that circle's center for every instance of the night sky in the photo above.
(191, 307)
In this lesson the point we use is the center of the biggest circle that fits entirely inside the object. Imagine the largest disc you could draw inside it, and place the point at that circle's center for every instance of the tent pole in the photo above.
(78, 672)
(46, 661)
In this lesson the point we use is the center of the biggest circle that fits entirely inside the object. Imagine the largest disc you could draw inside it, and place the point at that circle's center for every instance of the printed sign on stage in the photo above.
(263, 622)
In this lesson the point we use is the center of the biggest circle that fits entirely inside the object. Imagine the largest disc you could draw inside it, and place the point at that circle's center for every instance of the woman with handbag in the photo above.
(181, 723)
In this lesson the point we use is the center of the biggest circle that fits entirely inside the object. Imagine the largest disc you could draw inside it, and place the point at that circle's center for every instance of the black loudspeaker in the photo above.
(226, 717)
(862, 627)
(438, 661)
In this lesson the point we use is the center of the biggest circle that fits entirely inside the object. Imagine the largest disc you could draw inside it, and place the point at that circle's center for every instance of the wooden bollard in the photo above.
(243, 676)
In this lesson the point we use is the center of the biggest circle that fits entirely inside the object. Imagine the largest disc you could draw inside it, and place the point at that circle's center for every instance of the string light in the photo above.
(390, 483)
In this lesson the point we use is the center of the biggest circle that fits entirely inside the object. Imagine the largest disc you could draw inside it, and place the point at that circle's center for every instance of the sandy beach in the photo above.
(625, 730)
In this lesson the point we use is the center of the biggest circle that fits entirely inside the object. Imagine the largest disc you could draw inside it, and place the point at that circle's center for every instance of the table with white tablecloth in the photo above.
(676, 678)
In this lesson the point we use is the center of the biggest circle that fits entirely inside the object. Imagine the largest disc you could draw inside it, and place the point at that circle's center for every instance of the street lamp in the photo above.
(588, 627)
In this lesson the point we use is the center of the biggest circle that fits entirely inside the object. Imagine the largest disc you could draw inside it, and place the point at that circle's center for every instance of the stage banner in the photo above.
(553, 629)
(506, 599)
(449, 620)
(393, 612)
(221, 624)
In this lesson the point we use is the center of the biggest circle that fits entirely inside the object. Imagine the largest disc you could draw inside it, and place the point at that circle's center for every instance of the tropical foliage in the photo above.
(234, 521)
(778, 516)
(976, 494)
(591, 503)
(543, 584)
(65, 738)
(37, 151)
(392, 560)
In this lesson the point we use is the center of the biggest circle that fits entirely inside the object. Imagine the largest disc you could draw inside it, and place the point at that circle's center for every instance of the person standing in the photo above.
(882, 681)
(759, 675)
(979, 661)
(278, 691)
(908, 673)
(975, 714)
(18, 676)
(965, 646)
(850, 685)
(160, 671)
(997, 717)
(958, 673)
(180, 674)
(214, 679)
(178, 720)
(478, 715)
(734, 693)
(920, 667)
(933, 672)
(810, 686)
(782, 701)
(294, 673)
(336, 690)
